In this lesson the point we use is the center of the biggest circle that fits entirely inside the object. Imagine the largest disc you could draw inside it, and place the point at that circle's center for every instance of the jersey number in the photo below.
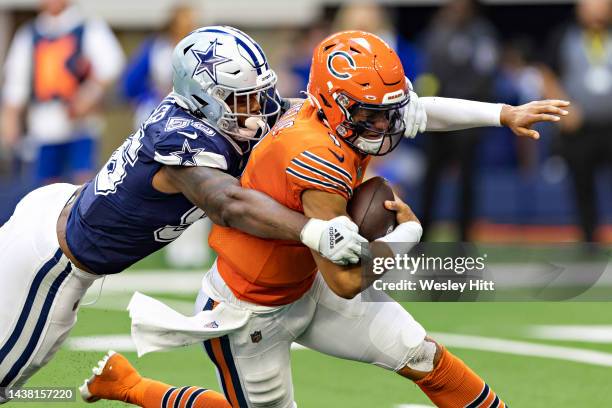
(171, 232)
(114, 171)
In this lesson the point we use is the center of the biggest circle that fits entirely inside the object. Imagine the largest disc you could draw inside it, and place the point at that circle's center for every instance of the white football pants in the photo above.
(253, 364)
(40, 289)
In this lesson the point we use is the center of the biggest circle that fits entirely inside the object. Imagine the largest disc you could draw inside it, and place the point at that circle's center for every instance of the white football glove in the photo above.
(415, 116)
(337, 239)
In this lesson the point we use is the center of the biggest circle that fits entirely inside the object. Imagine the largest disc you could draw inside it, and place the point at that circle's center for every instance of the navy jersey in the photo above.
(119, 218)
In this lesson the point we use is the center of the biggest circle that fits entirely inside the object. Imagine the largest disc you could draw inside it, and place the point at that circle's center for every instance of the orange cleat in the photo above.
(112, 379)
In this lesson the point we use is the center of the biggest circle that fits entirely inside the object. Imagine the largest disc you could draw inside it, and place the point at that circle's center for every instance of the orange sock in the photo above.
(452, 384)
(154, 394)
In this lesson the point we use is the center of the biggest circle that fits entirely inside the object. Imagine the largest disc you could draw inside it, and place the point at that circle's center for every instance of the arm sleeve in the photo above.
(103, 51)
(18, 68)
(320, 169)
(445, 114)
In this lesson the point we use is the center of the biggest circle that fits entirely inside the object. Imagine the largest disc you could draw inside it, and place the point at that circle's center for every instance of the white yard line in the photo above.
(524, 348)
(117, 342)
(150, 281)
(119, 302)
(587, 333)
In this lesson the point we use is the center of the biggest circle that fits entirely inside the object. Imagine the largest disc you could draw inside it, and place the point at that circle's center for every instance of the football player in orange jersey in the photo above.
(311, 161)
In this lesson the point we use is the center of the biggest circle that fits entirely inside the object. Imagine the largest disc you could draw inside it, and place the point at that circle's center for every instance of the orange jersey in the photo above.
(298, 154)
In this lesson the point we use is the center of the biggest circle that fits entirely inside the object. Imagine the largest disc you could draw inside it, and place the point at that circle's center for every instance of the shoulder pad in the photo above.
(187, 141)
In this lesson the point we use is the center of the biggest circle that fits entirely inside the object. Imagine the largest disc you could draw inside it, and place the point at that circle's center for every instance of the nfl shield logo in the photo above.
(256, 336)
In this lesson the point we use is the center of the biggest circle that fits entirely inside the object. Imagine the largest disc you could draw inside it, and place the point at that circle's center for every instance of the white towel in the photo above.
(156, 326)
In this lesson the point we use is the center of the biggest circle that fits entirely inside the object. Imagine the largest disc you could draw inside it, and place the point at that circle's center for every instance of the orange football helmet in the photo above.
(358, 83)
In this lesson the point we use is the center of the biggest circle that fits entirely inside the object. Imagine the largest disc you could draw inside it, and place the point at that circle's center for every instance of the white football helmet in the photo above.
(217, 69)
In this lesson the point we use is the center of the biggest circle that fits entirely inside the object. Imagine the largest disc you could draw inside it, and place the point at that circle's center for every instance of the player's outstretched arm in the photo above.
(436, 114)
(228, 204)
(445, 114)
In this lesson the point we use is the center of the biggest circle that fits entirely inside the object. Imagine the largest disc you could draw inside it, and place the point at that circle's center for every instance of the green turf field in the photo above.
(548, 378)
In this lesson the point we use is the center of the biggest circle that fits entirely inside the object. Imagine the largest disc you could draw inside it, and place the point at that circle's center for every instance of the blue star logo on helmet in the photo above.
(208, 61)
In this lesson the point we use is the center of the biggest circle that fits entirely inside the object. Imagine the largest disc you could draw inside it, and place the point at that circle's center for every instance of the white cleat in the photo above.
(84, 389)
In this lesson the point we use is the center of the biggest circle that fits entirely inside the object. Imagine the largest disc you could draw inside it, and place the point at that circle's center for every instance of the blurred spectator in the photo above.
(518, 81)
(374, 18)
(461, 51)
(57, 71)
(366, 16)
(522, 77)
(583, 61)
(294, 66)
(4, 32)
(148, 77)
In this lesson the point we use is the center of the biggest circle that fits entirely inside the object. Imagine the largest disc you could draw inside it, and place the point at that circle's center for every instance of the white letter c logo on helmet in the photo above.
(330, 64)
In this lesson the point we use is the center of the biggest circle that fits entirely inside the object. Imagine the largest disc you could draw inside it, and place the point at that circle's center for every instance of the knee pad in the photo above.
(422, 356)
(394, 336)
(267, 389)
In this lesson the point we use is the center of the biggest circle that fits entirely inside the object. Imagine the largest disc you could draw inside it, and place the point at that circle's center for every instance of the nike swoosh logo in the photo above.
(192, 135)
(336, 155)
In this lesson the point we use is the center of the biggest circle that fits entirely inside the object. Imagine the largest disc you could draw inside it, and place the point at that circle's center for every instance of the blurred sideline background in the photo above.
(483, 185)
(63, 116)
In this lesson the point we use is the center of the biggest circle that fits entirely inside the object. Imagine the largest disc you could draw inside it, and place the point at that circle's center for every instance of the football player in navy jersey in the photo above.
(250, 345)
(181, 165)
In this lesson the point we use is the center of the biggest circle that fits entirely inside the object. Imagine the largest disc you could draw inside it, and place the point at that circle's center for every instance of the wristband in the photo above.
(407, 235)
(311, 233)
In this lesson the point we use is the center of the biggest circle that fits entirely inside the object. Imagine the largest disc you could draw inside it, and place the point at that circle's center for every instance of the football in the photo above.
(368, 211)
